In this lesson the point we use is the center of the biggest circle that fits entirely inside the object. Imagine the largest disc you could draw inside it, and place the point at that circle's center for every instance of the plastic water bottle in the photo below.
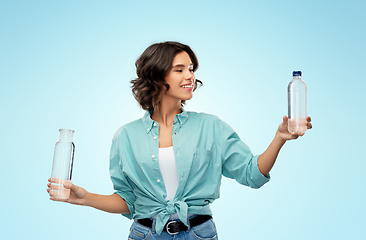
(297, 111)
(62, 165)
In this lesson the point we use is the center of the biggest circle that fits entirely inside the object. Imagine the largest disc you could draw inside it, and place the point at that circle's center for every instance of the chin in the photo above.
(180, 96)
(187, 98)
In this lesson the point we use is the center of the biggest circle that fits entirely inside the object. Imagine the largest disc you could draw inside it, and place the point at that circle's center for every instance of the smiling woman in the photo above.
(154, 64)
(166, 167)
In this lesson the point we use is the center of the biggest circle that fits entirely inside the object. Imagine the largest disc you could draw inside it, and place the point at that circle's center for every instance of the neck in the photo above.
(164, 113)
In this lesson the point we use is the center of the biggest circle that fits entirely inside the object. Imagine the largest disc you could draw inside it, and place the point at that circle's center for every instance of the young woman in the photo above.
(167, 166)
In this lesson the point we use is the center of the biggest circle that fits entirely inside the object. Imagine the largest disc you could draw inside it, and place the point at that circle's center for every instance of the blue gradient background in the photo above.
(67, 64)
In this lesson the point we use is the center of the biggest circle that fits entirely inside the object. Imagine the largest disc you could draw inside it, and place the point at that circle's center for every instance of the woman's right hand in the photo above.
(78, 195)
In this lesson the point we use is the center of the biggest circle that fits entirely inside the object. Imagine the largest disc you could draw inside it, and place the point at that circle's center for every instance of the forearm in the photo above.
(108, 203)
(267, 159)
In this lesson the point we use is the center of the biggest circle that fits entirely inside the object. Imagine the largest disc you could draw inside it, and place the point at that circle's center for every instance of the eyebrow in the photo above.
(182, 65)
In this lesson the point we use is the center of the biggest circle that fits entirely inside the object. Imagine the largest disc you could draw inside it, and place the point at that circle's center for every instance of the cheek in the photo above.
(170, 80)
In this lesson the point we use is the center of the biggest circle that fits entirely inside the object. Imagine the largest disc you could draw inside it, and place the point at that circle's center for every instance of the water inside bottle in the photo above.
(297, 125)
(57, 190)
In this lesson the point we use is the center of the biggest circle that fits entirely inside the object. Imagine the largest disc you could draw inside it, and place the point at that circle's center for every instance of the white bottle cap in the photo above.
(66, 135)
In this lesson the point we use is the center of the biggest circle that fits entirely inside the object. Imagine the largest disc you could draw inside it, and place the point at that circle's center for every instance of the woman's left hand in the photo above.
(283, 132)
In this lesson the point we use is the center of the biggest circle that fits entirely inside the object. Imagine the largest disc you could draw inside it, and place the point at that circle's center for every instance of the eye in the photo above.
(191, 70)
(179, 70)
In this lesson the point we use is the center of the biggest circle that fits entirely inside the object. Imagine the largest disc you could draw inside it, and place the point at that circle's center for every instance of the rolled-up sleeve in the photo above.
(238, 161)
(120, 182)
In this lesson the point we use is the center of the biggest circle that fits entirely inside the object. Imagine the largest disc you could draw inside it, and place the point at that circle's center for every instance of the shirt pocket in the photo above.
(202, 160)
(203, 152)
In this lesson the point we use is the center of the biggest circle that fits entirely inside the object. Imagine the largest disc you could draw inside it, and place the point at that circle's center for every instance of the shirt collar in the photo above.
(149, 123)
(182, 117)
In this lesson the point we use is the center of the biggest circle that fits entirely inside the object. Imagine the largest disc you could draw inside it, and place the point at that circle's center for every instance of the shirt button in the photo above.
(155, 137)
(154, 124)
(181, 175)
(158, 180)
(148, 129)
(153, 156)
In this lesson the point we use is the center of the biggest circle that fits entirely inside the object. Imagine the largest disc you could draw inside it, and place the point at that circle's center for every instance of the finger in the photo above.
(55, 187)
(284, 120)
(56, 195)
(58, 199)
(309, 125)
(308, 119)
(69, 185)
(55, 180)
(294, 135)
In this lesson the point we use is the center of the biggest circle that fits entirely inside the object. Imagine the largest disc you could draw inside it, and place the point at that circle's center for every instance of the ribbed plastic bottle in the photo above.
(62, 165)
(297, 104)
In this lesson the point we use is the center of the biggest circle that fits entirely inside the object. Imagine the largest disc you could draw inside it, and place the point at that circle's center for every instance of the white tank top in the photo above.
(168, 169)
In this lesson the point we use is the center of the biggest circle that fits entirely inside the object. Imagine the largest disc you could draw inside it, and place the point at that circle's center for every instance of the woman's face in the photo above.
(181, 78)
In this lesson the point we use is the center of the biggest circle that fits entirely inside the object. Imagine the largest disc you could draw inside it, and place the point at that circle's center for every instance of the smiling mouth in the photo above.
(187, 86)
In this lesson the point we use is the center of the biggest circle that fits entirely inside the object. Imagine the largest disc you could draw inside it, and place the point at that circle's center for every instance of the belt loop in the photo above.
(153, 225)
(189, 222)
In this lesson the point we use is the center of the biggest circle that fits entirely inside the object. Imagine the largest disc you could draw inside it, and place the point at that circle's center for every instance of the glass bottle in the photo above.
(296, 93)
(62, 165)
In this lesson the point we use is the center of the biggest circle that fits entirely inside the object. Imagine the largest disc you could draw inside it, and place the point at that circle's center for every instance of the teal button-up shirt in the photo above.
(205, 148)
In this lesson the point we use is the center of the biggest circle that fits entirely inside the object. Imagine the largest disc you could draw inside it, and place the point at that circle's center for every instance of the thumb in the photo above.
(285, 120)
(69, 185)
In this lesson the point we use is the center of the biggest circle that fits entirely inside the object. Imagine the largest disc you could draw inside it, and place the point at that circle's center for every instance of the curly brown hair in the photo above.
(152, 67)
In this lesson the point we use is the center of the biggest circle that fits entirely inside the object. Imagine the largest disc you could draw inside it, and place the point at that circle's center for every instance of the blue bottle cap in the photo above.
(296, 73)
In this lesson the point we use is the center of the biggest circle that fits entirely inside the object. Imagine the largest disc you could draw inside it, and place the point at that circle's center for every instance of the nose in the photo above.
(190, 76)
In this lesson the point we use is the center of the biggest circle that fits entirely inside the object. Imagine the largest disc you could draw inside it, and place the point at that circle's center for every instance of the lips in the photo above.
(189, 85)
